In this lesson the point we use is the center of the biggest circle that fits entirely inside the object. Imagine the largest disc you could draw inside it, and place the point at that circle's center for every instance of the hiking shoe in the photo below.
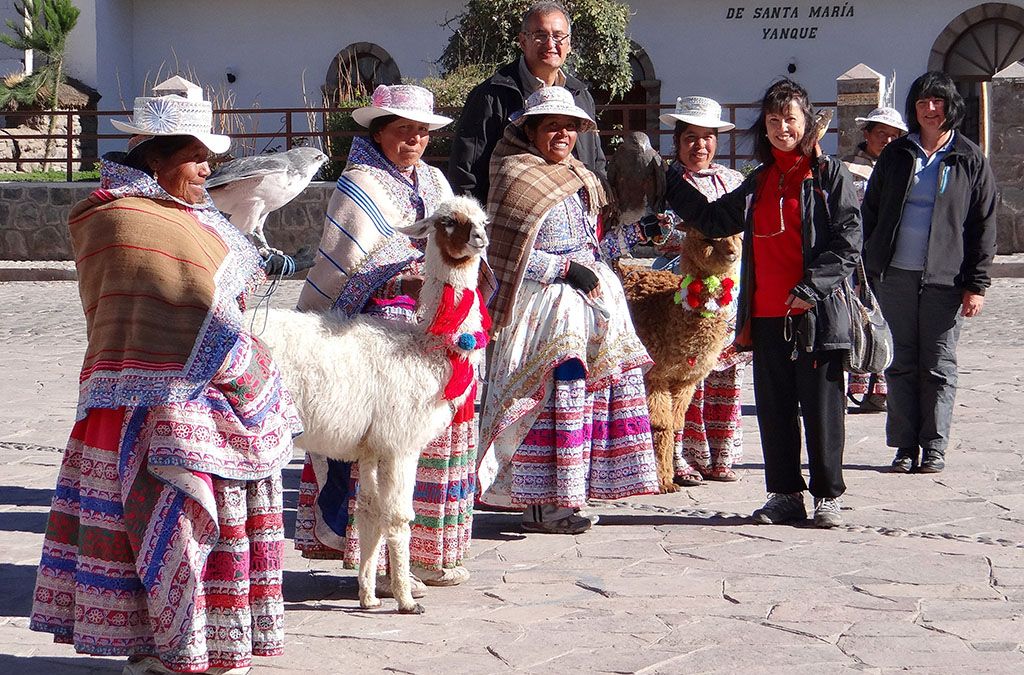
(933, 461)
(781, 508)
(826, 512)
(905, 460)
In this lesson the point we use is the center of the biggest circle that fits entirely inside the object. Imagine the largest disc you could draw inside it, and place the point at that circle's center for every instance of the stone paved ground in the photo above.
(927, 575)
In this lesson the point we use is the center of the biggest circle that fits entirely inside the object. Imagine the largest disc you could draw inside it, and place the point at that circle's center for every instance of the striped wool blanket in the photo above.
(360, 250)
(524, 187)
(141, 261)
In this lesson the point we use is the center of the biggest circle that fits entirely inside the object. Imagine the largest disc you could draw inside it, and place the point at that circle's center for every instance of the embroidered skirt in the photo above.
(159, 560)
(563, 441)
(713, 433)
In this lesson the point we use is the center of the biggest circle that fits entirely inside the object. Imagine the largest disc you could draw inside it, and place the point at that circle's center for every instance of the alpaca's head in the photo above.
(459, 231)
(703, 256)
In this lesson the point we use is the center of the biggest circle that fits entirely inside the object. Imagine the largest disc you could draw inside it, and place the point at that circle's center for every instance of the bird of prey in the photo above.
(636, 174)
(248, 189)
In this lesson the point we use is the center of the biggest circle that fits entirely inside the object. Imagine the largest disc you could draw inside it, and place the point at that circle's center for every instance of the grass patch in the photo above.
(49, 176)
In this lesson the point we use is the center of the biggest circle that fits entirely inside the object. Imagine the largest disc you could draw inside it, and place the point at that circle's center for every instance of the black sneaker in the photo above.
(933, 461)
(781, 508)
(905, 460)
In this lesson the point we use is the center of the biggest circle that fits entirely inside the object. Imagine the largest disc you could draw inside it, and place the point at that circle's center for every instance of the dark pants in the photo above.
(785, 390)
(925, 324)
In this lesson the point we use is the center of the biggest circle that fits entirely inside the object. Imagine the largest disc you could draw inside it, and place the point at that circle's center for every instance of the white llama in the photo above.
(377, 391)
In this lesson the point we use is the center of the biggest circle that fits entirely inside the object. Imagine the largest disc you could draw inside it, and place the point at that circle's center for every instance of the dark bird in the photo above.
(636, 174)
(248, 189)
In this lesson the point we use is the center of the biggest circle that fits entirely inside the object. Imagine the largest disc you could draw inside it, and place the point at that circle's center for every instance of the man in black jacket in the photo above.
(545, 41)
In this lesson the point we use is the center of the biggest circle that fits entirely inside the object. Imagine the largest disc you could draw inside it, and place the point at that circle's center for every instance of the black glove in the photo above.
(580, 277)
(651, 226)
(279, 265)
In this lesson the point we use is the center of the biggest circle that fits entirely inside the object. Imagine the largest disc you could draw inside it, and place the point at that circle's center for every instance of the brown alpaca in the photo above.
(684, 343)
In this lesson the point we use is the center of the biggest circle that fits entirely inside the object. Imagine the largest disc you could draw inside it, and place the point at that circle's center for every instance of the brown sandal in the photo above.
(688, 478)
(722, 474)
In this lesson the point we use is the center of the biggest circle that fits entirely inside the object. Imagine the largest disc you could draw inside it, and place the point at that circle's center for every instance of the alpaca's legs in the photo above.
(368, 521)
(397, 482)
(681, 398)
(659, 403)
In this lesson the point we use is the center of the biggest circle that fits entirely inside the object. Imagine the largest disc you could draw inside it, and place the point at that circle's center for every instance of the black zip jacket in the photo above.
(962, 241)
(483, 122)
(831, 242)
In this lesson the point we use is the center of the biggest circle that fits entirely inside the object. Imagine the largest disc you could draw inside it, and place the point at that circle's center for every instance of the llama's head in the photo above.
(703, 256)
(459, 231)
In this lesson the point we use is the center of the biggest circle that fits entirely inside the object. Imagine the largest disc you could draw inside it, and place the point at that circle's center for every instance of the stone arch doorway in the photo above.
(357, 70)
(973, 47)
(646, 90)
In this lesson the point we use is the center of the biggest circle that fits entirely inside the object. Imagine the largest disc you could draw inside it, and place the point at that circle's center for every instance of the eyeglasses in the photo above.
(782, 225)
(541, 38)
(782, 218)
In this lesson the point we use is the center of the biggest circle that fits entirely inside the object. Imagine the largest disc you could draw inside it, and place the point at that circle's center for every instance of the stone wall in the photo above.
(33, 219)
(1006, 153)
(28, 152)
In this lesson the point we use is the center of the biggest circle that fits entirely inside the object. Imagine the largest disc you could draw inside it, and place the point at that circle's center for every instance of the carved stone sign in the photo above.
(801, 22)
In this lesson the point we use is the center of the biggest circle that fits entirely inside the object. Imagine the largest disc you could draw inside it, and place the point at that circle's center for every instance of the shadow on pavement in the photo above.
(18, 582)
(22, 496)
(303, 586)
(50, 665)
(11, 521)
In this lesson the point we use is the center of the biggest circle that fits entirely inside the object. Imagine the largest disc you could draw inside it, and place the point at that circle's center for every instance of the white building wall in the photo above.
(696, 46)
(10, 59)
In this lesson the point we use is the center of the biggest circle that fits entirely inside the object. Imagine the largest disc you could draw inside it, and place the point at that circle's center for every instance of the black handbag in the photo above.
(871, 349)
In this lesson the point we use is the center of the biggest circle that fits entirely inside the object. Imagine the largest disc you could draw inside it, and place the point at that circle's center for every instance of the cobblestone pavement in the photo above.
(927, 575)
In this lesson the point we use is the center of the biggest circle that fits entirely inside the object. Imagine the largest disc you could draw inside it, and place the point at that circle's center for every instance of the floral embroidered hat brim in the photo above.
(178, 110)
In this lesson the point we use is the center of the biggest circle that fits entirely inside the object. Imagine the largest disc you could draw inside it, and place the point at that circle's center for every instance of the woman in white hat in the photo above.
(881, 127)
(364, 266)
(166, 529)
(565, 418)
(713, 438)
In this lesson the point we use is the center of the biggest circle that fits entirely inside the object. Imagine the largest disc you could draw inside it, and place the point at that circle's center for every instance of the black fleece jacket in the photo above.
(483, 122)
(962, 241)
(831, 242)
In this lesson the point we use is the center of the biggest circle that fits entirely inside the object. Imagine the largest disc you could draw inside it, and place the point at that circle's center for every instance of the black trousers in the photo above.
(785, 390)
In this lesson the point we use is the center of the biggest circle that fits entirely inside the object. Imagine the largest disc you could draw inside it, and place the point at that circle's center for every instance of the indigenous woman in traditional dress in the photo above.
(364, 266)
(165, 536)
(712, 440)
(565, 417)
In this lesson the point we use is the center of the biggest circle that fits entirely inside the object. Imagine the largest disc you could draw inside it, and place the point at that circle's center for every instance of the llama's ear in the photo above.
(418, 230)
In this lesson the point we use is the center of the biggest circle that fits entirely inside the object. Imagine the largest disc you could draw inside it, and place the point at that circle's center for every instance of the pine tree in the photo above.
(44, 29)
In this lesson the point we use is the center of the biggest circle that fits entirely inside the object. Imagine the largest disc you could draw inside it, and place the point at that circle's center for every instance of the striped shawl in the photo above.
(524, 187)
(359, 249)
(140, 262)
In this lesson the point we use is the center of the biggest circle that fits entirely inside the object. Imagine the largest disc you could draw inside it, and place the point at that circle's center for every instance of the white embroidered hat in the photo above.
(553, 101)
(699, 111)
(405, 100)
(181, 111)
(888, 116)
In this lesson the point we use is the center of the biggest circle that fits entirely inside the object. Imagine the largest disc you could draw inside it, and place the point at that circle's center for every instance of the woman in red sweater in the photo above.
(802, 228)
